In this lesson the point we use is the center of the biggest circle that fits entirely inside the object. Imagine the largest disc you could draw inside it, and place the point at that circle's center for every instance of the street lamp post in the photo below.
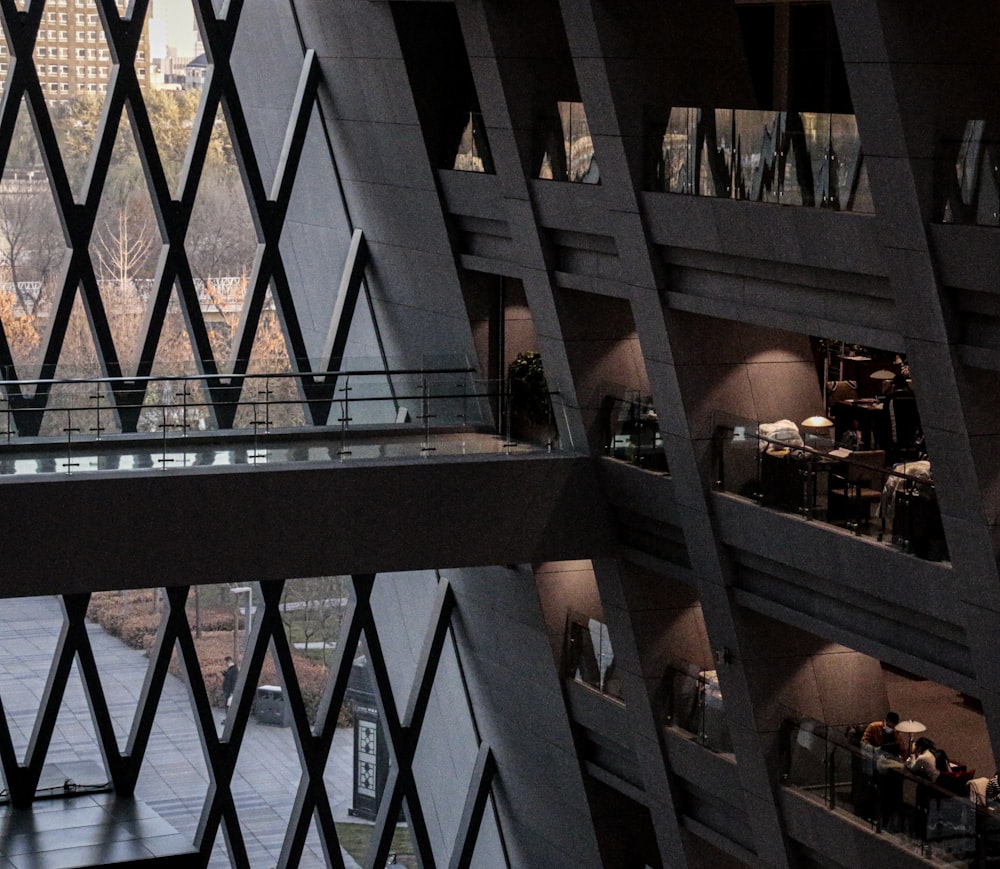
(248, 591)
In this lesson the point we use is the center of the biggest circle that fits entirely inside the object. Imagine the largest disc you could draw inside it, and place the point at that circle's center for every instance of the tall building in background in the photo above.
(71, 51)
(179, 42)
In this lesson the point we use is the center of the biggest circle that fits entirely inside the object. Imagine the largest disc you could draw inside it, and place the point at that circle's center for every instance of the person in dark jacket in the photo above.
(884, 736)
(902, 422)
(229, 680)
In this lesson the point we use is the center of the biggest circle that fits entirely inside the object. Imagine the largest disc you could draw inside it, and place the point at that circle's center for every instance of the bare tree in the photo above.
(126, 240)
(221, 240)
(31, 242)
(124, 244)
(312, 609)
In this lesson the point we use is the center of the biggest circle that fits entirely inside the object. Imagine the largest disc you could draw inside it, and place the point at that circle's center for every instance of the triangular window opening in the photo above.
(473, 149)
(569, 153)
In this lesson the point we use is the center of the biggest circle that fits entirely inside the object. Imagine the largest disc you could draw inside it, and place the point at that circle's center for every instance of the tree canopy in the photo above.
(172, 117)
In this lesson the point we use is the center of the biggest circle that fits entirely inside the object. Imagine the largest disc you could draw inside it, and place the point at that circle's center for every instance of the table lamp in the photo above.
(883, 375)
(911, 728)
(816, 425)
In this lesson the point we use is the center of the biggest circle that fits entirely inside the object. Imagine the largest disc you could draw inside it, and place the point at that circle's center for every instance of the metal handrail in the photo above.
(158, 378)
(87, 417)
(980, 827)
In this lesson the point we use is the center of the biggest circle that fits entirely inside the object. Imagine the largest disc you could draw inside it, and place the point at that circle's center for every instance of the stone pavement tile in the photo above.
(174, 780)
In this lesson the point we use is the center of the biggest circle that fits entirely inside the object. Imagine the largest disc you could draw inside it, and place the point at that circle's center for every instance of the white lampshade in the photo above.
(816, 422)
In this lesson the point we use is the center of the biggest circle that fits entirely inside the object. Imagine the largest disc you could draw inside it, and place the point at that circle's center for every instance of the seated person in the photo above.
(883, 735)
(992, 791)
(924, 761)
(853, 438)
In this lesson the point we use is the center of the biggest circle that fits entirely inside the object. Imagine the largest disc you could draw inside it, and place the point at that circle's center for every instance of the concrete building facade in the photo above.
(682, 207)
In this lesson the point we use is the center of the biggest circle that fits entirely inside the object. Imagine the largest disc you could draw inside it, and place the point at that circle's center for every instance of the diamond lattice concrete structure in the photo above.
(627, 631)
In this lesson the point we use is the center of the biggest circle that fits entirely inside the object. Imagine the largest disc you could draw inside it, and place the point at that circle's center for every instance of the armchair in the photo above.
(854, 486)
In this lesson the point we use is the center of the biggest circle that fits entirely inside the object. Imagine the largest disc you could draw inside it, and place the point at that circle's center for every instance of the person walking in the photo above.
(229, 681)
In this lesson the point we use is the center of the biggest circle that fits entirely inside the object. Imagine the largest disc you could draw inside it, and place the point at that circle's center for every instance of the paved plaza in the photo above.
(173, 781)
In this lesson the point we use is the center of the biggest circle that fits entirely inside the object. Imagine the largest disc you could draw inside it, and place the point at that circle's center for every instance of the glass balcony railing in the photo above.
(127, 423)
(807, 159)
(589, 657)
(811, 476)
(948, 820)
(694, 705)
(971, 176)
(632, 431)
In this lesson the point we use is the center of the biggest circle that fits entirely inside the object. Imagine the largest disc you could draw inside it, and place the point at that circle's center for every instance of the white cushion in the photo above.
(784, 431)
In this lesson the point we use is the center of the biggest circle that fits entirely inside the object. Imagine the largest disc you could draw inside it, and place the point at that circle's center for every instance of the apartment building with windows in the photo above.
(71, 52)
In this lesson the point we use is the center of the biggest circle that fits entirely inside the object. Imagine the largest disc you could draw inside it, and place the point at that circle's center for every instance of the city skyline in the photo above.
(178, 27)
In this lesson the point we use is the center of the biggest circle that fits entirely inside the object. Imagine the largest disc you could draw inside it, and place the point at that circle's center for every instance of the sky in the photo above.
(172, 24)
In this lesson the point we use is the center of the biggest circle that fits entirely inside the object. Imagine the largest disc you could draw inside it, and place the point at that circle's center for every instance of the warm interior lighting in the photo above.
(911, 728)
(816, 423)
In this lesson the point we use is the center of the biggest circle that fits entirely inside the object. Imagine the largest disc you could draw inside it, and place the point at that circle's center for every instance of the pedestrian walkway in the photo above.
(173, 782)
(28, 458)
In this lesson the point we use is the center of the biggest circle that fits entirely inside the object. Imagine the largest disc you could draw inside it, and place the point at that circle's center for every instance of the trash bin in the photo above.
(270, 707)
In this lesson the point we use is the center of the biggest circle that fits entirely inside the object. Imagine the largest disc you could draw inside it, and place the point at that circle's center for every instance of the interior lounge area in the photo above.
(947, 819)
(859, 461)
(817, 699)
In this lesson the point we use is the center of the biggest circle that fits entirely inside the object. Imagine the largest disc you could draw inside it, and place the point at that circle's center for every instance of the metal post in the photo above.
(256, 454)
(345, 416)
(98, 428)
(184, 393)
(164, 461)
(509, 443)
(464, 412)
(70, 464)
(426, 449)
(266, 392)
(248, 591)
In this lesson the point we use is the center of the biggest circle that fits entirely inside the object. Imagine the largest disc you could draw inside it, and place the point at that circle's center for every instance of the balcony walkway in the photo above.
(170, 451)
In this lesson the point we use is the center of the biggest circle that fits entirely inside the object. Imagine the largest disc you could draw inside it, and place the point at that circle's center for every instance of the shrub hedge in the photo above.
(134, 618)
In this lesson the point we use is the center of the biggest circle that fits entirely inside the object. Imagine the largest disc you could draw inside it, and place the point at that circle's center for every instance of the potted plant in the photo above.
(530, 402)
